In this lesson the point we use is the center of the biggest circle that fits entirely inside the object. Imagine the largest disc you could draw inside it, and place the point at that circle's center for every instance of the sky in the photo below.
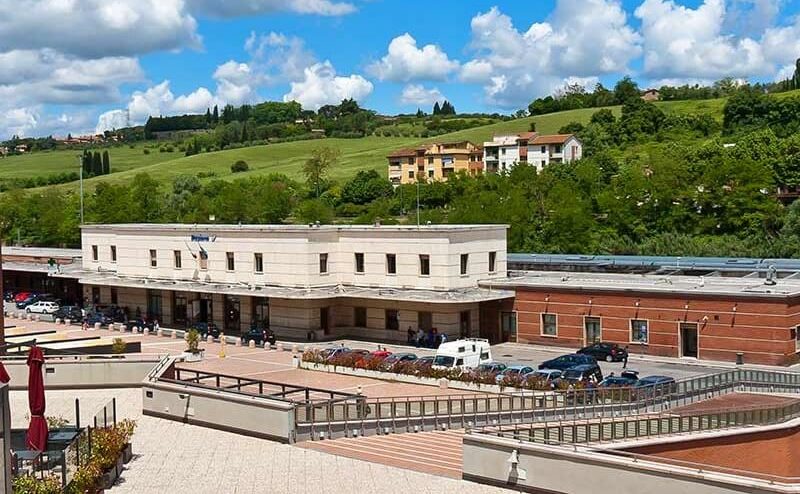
(81, 66)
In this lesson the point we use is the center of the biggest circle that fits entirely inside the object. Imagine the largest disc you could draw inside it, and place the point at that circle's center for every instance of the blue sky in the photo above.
(148, 57)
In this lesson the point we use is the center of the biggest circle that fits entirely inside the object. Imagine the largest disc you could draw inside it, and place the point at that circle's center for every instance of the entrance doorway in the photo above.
(464, 324)
(232, 314)
(688, 340)
(325, 320)
(202, 310)
(594, 332)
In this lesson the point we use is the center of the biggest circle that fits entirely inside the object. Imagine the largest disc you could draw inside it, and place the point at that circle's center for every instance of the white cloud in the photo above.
(582, 38)
(278, 58)
(233, 8)
(685, 43)
(321, 86)
(405, 62)
(98, 28)
(236, 83)
(416, 94)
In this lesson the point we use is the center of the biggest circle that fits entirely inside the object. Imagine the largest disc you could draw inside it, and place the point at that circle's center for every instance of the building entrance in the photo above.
(688, 340)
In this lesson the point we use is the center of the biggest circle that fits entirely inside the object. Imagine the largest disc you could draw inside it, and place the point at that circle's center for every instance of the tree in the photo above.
(571, 128)
(420, 114)
(245, 136)
(366, 187)
(313, 210)
(239, 167)
(208, 116)
(436, 108)
(106, 163)
(316, 168)
(97, 164)
(215, 115)
(625, 90)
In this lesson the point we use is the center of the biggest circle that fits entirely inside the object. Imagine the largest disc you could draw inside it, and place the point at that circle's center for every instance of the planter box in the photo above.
(193, 357)
(426, 381)
(127, 453)
(108, 478)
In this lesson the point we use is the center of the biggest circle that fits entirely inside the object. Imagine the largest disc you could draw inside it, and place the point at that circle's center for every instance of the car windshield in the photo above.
(444, 361)
(572, 374)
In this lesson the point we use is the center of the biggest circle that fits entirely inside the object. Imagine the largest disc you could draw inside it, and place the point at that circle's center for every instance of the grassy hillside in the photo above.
(356, 154)
(52, 162)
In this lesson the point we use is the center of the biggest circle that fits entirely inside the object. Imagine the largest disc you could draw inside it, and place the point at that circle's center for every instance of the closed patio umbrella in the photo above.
(4, 377)
(37, 430)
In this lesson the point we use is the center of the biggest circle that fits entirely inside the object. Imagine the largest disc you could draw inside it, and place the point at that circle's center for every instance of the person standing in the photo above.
(156, 327)
(420, 337)
(625, 358)
(410, 335)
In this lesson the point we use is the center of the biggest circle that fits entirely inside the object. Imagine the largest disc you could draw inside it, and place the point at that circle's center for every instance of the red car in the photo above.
(21, 296)
(376, 356)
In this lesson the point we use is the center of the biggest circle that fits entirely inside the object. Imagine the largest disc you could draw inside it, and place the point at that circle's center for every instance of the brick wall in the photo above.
(761, 329)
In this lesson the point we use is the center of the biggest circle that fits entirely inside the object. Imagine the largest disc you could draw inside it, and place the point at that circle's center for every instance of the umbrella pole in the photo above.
(2, 312)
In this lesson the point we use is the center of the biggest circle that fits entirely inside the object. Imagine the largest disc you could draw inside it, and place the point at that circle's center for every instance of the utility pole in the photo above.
(417, 202)
(2, 312)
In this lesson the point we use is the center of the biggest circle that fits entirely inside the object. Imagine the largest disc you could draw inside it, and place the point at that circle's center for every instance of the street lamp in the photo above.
(80, 175)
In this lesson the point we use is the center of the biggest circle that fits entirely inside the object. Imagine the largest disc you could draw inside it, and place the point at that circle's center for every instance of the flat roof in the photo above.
(138, 227)
(463, 295)
(647, 283)
(654, 262)
(40, 252)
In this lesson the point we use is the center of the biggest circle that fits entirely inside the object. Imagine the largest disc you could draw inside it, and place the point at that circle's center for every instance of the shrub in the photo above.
(193, 341)
(56, 422)
(28, 484)
(239, 166)
(118, 346)
(146, 151)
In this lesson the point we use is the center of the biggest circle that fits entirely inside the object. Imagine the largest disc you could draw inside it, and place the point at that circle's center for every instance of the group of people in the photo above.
(425, 339)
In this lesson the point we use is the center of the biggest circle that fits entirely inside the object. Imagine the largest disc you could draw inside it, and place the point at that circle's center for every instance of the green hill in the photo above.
(356, 154)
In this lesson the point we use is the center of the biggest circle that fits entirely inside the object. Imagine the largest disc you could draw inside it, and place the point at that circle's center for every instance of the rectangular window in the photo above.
(203, 257)
(360, 317)
(323, 263)
(492, 262)
(411, 174)
(114, 296)
(153, 304)
(258, 262)
(359, 262)
(430, 161)
(544, 149)
(424, 265)
(392, 320)
(391, 264)
(430, 173)
(508, 325)
(95, 295)
(178, 259)
(94, 252)
(464, 264)
(424, 320)
(153, 258)
(558, 148)
(231, 265)
(638, 331)
(796, 338)
(549, 325)
(113, 253)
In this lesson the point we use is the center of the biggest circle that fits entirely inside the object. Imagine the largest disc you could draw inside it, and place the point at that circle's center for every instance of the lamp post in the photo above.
(2, 312)
(80, 175)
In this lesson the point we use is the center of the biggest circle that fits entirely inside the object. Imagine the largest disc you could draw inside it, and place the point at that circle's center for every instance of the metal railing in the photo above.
(602, 430)
(414, 413)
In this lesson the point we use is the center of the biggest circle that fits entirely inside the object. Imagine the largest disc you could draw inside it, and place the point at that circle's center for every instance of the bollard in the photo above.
(96, 325)
(135, 329)
(279, 347)
(251, 344)
(209, 339)
(267, 346)
(58, 320)
(294, 348)
(146, 332)
(174, 335)
(238, 342)
(67, 321)
(160, 332)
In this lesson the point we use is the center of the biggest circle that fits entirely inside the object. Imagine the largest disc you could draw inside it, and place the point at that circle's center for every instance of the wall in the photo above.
(759, 328)
(549, 469)
(83, 374)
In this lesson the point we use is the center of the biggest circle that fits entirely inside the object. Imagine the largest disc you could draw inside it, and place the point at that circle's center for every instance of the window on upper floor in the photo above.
(258, 262)
(411, 174)
(492, 262)
(558, 148)
(464, 264)
(94, 252)
(230, 263)
(430, 173)
(391, 264)
(424, 265)
(430, 160)
(359, 258)
(178, 259)
(323, 263)
(113, 253)
(153, 258)
(503, 151)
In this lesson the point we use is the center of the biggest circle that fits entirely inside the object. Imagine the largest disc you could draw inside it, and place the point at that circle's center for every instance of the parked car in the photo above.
(469, 353)
(493, 367)
(610, 352)
(207, 329)
(583, 373)
(513, 370)
(30, 299)
(331, 352)
(356, 354)
(627, 379)
(656, 385)
(564, 362)
(138, 323)
(399, 357)
(98, 317)
(259, 336)
(548, 376)
(71, 312)
(42, 307)
(424, 362)
(20, 296)
(373, 357)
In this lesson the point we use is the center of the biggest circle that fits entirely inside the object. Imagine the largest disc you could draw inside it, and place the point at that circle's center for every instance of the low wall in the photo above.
(249, 415)
(85, 372)
(553, 469)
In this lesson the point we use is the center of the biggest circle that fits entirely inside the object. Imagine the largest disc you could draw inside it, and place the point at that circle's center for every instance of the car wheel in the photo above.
(28, 311)
(609, 358)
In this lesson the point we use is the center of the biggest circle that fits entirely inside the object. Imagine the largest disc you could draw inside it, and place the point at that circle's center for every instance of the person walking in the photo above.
(410, 335)
(420, 337)
(625, 358)
(85, 326)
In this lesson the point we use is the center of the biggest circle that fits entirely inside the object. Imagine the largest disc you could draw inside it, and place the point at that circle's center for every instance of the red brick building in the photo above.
(678, 316)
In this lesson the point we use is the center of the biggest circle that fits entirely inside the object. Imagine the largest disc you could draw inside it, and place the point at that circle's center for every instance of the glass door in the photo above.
(593, 330)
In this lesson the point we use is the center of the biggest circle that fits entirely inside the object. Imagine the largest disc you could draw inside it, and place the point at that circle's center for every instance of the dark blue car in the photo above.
(565, 362)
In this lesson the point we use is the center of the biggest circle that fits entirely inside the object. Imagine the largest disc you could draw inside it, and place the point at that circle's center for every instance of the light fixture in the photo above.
(637, 303)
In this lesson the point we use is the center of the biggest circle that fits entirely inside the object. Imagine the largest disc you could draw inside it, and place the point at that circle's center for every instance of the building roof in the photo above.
(41, 252)
(464, 295)
(648, 283)
(551, 139)
(527, 135)
(206, 228)
(502, 140)
(402, 153)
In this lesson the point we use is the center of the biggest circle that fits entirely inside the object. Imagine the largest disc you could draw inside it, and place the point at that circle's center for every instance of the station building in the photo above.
(304, 282)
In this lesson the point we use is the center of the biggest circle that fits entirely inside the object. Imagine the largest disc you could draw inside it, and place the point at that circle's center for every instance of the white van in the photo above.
(464, 354)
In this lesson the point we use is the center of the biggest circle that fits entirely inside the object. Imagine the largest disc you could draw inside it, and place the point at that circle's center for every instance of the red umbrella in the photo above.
(37, 430)
(4, 377)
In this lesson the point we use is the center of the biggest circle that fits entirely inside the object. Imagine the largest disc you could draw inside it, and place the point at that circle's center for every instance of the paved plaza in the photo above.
(171, 457)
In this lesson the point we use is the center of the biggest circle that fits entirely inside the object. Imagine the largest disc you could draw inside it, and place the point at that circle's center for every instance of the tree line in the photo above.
(95, 163)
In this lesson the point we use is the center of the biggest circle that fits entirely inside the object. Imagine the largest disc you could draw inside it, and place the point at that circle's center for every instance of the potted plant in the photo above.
(193, 351)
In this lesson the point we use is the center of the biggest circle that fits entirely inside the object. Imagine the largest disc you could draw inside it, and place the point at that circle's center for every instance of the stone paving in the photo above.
(171, 457)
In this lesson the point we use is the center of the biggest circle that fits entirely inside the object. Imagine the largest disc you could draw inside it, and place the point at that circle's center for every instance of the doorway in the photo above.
(204, 310)
(325, 320)
(688, 340)
(464, 324)
(592, 329)
(232, 314)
